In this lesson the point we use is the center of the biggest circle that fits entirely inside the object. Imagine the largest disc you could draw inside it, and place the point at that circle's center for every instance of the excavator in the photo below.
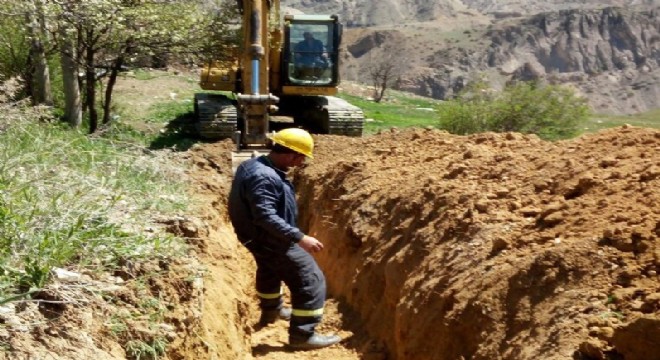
(276, 82)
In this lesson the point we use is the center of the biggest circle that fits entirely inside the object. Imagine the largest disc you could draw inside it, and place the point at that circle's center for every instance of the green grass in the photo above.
(397, 111)
(160, 125)
(649, 119)
(70, 200)
(138, 349)
(401, 110)
(142, 74)
(166, 112)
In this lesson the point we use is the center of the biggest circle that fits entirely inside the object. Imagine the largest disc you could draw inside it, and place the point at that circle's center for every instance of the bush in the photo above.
(552, 112)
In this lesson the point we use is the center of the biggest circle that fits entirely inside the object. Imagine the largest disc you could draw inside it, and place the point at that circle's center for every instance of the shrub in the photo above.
(550, 111)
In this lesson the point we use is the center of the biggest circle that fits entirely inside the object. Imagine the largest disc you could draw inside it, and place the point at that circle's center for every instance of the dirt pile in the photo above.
(494, 245)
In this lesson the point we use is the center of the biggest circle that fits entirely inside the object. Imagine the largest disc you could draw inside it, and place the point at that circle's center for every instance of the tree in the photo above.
(386, 67)
(70, 82)
(219, 36)
(112, 33)
(100, 38)
(41, 90)
(23, 40)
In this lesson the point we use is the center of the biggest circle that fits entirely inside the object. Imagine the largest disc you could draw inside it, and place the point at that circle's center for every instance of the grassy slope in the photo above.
(72, 200)
(649, 119)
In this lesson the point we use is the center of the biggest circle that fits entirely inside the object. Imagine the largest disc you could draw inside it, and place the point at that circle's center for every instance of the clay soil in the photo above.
(491, 246)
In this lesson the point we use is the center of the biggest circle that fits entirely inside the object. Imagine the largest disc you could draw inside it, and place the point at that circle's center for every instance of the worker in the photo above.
(263, 211)
(310, 52)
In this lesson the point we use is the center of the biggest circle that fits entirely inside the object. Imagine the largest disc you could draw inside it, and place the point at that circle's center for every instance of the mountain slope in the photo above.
(388, 12)
(612, 56)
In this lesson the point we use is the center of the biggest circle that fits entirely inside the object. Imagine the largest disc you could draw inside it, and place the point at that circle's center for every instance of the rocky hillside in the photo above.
(611, 55)
(387, 12)
(529, 7)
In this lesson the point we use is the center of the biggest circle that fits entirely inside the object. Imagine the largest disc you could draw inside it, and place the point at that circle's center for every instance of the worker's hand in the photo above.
(310, 244)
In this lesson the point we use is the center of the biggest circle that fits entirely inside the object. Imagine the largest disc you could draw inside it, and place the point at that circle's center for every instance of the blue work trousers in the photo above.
(302, 275)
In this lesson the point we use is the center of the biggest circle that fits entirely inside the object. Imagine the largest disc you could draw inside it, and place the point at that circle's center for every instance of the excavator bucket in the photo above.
(237, 157)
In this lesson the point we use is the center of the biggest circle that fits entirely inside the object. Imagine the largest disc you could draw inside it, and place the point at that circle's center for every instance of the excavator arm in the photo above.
(255, 102)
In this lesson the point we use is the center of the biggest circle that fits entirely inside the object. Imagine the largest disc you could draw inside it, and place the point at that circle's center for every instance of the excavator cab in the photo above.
(311, 52)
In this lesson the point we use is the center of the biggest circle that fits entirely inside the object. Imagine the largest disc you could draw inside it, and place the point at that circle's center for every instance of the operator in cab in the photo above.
(310, 53)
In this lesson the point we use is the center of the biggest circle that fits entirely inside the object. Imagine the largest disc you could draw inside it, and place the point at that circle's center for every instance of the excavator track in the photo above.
(216, 116)
(344, 118)
(324, 114)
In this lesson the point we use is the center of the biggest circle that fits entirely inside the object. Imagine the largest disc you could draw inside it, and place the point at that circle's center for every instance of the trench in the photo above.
(231, 312)
(376, 262)
(229, 307)
(439, 254)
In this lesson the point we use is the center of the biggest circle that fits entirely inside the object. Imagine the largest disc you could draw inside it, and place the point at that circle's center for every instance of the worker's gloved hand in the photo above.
(310, 244)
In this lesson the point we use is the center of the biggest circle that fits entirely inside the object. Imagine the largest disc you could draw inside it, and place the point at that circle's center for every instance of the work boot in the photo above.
(315, 341)
(270, 316)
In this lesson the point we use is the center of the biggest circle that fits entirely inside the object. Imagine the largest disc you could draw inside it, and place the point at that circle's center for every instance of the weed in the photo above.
(67, 198)
(117, 326)
(138, 349)
(611, 299)
(611, 314)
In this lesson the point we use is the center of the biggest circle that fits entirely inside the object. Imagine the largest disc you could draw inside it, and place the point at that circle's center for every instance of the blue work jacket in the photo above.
(262, 206)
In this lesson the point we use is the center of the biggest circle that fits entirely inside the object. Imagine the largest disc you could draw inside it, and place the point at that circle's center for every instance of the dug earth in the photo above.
(490, 246)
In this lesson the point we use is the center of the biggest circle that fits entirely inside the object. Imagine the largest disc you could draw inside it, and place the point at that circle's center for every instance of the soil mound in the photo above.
(492, 246)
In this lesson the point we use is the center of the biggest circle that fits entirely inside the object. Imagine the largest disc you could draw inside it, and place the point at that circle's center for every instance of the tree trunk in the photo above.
(41, 90)
(383, 87)
(112, 80)
(90, 83)
(72, 102)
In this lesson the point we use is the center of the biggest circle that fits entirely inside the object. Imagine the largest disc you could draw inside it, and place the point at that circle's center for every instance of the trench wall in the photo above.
(491, 246)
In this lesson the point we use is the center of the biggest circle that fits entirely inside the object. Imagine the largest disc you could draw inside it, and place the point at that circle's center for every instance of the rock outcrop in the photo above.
(612, 56)
(387, 12)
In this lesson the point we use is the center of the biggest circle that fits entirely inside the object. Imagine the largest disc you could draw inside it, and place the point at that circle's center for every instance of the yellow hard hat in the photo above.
(295, 139)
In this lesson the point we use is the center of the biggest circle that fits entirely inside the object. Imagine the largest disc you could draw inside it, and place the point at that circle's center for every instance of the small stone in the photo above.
(65, 275)
(592, 349)
(606, 333)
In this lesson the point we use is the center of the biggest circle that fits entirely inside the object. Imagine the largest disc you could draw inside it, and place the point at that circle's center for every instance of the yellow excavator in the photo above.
(285, 75)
